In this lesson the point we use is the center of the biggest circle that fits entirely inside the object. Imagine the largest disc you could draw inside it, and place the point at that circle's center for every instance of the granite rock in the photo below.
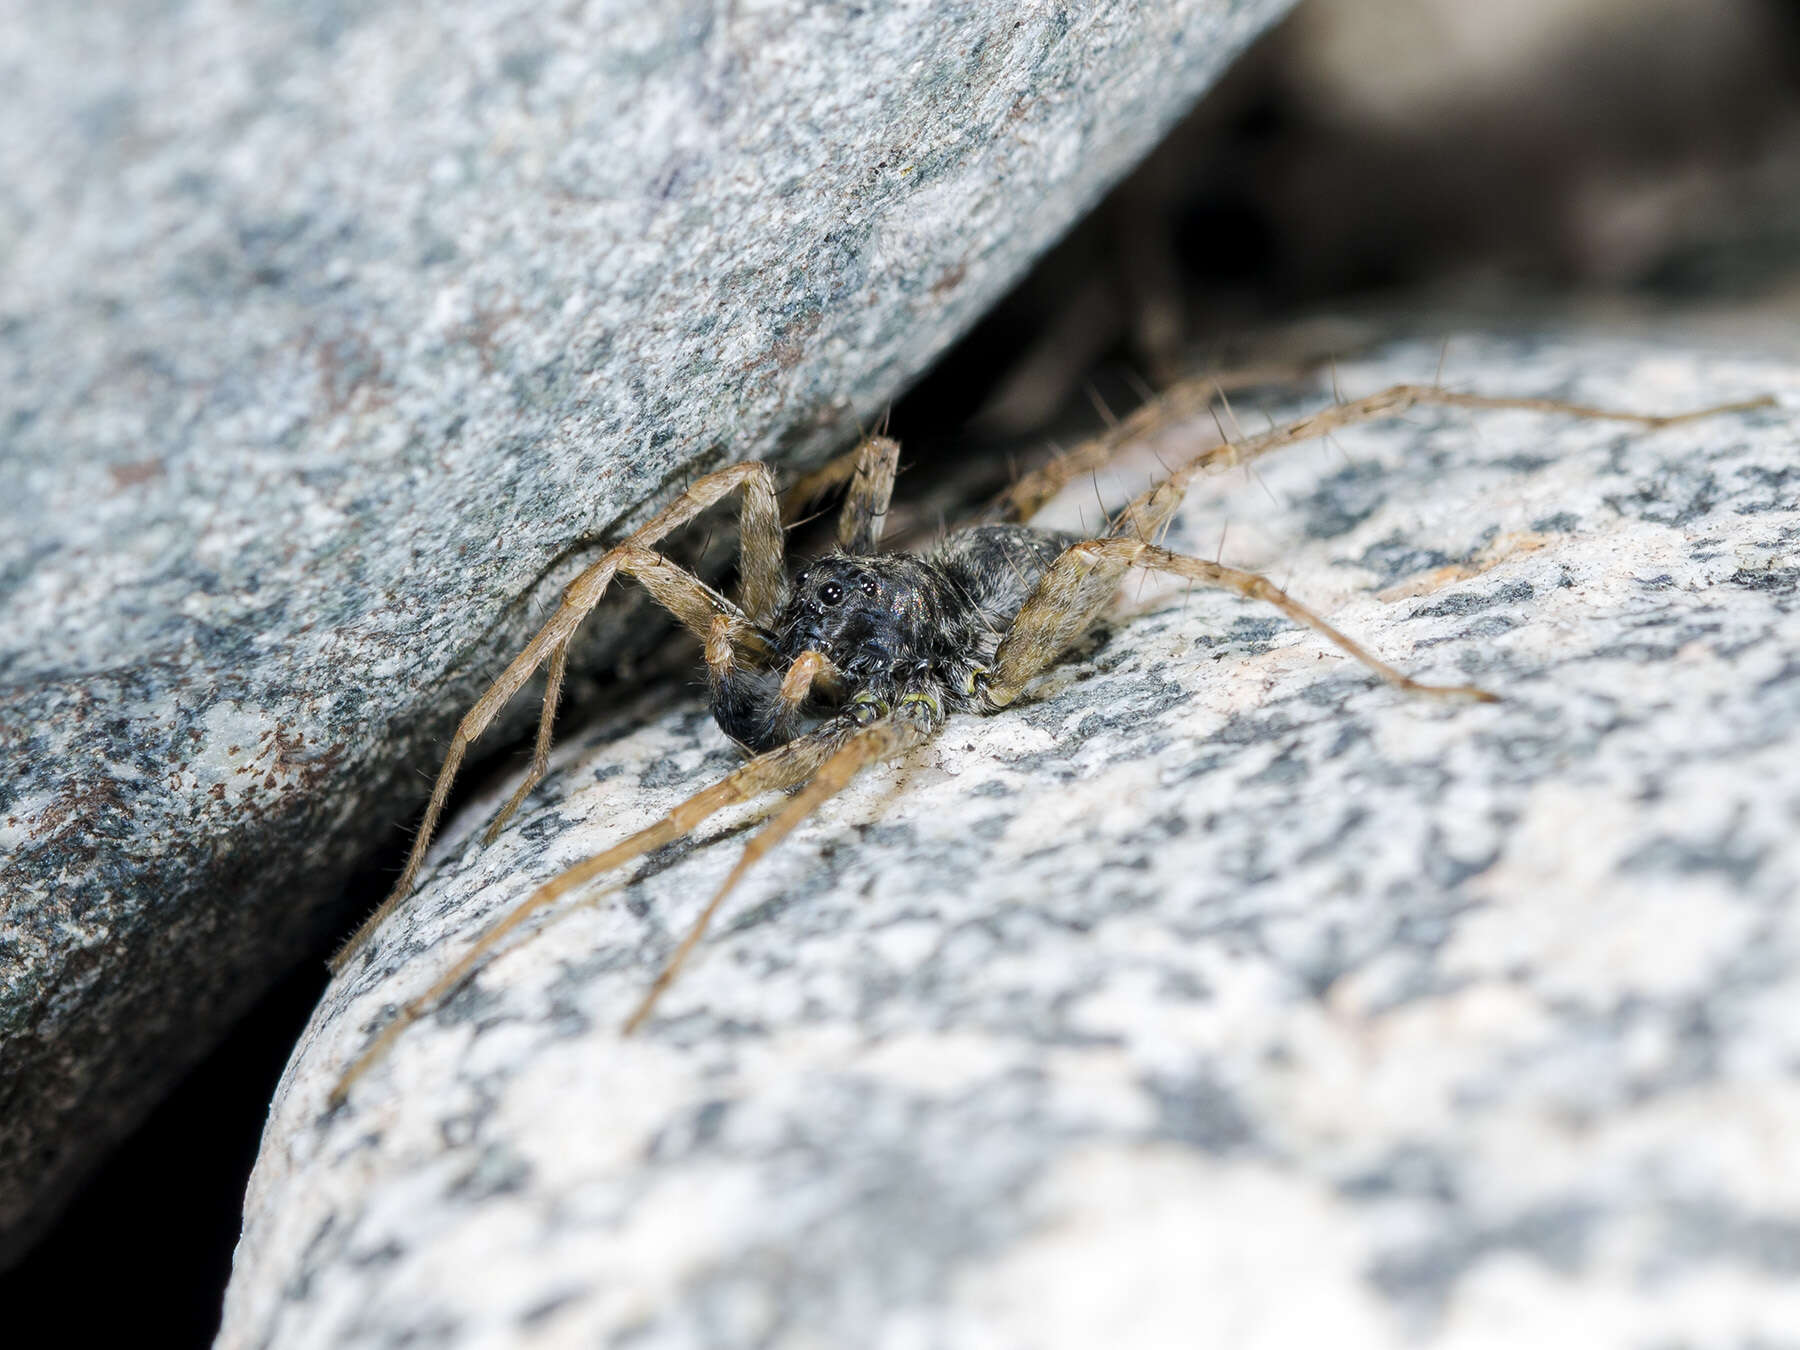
(328, 334)
(1215, 995)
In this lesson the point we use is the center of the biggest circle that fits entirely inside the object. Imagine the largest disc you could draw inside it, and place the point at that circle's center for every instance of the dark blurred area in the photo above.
(1431, 154)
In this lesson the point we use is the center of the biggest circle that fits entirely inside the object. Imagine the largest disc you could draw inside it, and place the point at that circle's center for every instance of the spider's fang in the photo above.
(926, 701)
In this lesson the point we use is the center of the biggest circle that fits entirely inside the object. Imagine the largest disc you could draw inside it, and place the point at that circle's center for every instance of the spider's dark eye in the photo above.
(867, 586)
(830, 593)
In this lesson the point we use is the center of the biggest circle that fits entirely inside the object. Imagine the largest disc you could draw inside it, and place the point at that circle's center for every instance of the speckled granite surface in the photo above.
(326, 331)
(1218, 996)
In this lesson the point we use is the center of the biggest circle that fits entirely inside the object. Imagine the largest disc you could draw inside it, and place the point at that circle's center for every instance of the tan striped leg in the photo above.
(764, 574)
(783, 767)
(1080, 583)
(880, 740)
(1189, 398)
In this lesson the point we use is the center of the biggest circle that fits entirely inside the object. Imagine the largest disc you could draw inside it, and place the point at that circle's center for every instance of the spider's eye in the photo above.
(830, 593)
(867, 586)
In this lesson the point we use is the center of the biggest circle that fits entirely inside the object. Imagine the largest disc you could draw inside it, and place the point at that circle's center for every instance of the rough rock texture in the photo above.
(325, 333)
(1217, 996)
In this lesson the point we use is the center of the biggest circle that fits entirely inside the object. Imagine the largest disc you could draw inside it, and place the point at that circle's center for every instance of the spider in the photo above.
(862, 655)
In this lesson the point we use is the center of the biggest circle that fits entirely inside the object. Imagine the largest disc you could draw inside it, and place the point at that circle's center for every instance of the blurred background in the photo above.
(1395, 161)
(1390, 158)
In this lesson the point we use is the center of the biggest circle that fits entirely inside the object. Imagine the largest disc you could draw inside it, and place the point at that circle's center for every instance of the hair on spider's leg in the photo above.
(1080, 583)
(833, 474)
(865, 508)
(540, 754)
(1106, 414)
(783, 767)
(875, 742)
(1225, 403)
(1395, 401)
(764, 589)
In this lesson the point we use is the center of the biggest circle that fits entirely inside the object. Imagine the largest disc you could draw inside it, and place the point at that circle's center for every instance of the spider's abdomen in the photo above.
(997, 566)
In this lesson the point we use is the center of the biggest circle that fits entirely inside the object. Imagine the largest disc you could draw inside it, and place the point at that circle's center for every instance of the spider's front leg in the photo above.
(697, 605)
(785, 767)
(910, 725)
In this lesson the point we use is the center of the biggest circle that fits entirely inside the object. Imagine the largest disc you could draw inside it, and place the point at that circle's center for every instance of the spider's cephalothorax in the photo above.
(862, 654)
(898, 629)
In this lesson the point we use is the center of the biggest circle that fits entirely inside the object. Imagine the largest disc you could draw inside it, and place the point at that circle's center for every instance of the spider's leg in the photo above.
(1189, 397)
(1180, 401)
(694, 603)
(782, 767)
(881, 739)
(702, 610)
(763, 566)
(825, 479)
(540, 753)
(1392, 403)
(1080, 582)
(866, 503)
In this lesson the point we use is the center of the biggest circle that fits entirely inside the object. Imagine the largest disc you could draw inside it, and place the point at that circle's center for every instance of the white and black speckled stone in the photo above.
(326, 331)
(1217, 996)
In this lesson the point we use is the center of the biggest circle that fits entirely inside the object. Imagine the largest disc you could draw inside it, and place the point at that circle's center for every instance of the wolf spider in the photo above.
(862, 655)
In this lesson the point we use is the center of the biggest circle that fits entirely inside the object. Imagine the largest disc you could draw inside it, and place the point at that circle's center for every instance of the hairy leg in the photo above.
(1080, 583)
(701, 610)
(784, 767)
(694, 603)
(1191, 397)
(827, 478)
(866, 503)
(880, 740)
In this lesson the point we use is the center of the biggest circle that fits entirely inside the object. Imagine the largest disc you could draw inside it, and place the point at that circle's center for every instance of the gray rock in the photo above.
(1218, 995)
(328, 334)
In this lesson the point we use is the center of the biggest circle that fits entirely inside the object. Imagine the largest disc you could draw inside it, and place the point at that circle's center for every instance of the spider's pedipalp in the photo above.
(782, 767)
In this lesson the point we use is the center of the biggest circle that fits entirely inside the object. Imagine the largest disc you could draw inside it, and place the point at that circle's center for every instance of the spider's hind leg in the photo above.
(1191, 397)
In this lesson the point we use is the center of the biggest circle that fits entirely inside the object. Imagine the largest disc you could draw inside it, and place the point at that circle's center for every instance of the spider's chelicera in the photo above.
(861, 655)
